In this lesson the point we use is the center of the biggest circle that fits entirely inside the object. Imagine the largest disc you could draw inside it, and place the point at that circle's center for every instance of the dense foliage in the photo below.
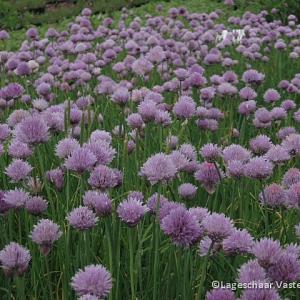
(147, 158)
(16, 14)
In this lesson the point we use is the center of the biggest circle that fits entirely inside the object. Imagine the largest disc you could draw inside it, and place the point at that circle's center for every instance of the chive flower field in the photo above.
(147, 158)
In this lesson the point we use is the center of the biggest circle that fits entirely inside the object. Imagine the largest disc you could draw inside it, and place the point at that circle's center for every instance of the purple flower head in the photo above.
(277, 154)
(229, 3)
(131, 145)
(258, 124)
(118, 177)
(142, 66)
(199, 213)
(189, 151)
(120, 96)
(293, 195)
(44, 89)
(86, 12)
(82, 218)
(32, 130)
(231, 77)
(103, 178)
(15, 198)
(18, 170)
(251, 271)
(220, 294)
(4, 35)
(80, 160)
(203, 113)
(292, 143)
(92, 280)
(131, 211)
(155, 94)
(162, 118)
(208, 247)
(166, 207)
(4, 132)
(135, 121)
(23, 69)
(227, 89)
(212, 58)
(65, 147)
(280, 45)
(263, 115)
(217, 226)
(100, 135)
(236, 152)
(75, 116)
(137, 195)
(235, 169)
(253, 77)
(258, 168)
(56, 176)
(271, 96)
(11, 64)
(173, 12)
(158, 168)
(36, 205)
(14, 259)
(51, 33)
(197, 79)
(278, 113)
(209, 176)
(247, 93)
(147, 109)
(32, 33)
(239, 242)
(184, 108)
(286, 268)
(260, 144)
(187, 190)
(84, 101)
(293, 249)
(153, 203)
(45, 233)
(103, 151)
(210, 152)
(207, 94)
(119, 67)
(267, 251)
(182, 227)
(274, 195)
(283, 84)
(156, 55)
(40, 104)
(12, 91)
(291, 177)
(285, 131)
(17, 116)
(181, 74)
(247, 107)
(215, 114)
(100, 202)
